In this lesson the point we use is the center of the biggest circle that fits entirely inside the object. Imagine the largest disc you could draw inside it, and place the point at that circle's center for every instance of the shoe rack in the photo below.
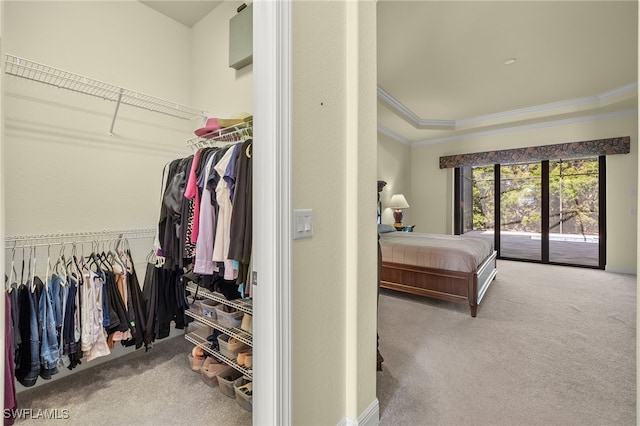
(199, 339)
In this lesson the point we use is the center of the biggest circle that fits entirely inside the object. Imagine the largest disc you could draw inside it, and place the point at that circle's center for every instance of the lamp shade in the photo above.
(398, 202)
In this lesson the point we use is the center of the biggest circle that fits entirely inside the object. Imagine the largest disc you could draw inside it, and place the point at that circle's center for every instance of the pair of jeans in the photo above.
(49, 337)
(29, 354)
(55, 288)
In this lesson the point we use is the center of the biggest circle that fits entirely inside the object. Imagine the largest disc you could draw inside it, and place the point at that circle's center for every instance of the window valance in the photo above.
(563, 151)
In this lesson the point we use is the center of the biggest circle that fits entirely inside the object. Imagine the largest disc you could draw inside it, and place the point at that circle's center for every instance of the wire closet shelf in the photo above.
(46, 74)
(226, 135)
(60, 238)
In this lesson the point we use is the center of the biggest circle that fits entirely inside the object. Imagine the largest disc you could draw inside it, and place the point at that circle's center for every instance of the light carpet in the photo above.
(152, 388)
(550, 345)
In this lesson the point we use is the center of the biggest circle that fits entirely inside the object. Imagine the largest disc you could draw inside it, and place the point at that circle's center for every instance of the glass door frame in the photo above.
(545, 207)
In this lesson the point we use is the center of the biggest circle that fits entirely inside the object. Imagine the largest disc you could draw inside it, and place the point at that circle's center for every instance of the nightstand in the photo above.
(404, 228)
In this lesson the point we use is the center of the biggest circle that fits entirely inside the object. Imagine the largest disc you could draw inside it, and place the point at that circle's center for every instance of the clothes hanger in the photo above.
(33, 253)
(61, 267)
(75, 272)
(22, 272)
(124, 254)
(9, 286)
(110, 254)
(151, 256)
(93, 258)
(103, 259)
(72, 256)
(115, 258)
(46, 275)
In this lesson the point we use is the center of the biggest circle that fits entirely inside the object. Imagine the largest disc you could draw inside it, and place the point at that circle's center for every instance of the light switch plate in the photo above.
(302, 223)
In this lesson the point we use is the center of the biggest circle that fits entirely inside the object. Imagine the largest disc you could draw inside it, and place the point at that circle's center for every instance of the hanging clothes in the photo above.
(10, 400)
(72, 316)
(225, 209)
(138, 306)
(49, 354)
(172, 211)
(29, 358)
(191, 192)
(216, 215)
(204, 246)
(71, 327)
(242, 216)
(94, 341)
(150, 297)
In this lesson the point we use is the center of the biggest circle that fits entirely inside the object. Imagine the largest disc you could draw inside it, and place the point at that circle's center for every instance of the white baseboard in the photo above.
(617, 270)
(369, 417)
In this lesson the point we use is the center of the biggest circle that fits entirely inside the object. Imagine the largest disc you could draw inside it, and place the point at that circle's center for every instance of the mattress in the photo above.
(450, 252)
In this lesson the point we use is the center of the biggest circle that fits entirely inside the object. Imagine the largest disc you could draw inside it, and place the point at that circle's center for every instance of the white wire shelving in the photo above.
(31, 70)
(60, 238)
(231, 134)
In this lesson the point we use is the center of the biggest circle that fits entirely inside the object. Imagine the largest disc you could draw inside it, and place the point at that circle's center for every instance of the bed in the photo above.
(456, 268)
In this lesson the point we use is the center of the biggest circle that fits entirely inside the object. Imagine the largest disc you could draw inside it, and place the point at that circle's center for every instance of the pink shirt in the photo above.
(191, 192)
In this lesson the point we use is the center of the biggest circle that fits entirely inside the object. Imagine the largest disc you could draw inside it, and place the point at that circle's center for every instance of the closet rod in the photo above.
(25, 68)
(87, 236)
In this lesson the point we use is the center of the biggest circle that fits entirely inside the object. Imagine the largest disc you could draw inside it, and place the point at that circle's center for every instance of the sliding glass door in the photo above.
(548, 211)
(520, 211)
(574, 223)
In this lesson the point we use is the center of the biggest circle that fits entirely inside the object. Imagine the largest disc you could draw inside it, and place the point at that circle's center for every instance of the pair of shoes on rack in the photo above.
(247, 323)
(197, 358)
(212, 366)
(245, 359)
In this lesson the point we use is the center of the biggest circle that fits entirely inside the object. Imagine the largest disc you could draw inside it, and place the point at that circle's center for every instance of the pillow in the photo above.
(383, 229)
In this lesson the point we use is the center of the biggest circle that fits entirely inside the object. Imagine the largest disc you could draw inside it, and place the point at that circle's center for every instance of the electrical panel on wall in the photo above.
(241, 38)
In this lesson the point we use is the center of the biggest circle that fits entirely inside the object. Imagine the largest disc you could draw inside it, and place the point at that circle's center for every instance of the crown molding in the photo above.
(410, 116)
(513, 129)
(626, 90)
(393, 135)
(421, 123)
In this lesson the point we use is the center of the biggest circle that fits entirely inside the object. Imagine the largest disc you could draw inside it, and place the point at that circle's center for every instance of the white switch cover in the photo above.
(302, 223)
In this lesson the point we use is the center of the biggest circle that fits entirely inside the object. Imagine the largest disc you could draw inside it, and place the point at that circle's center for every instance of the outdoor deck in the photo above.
(563, 248)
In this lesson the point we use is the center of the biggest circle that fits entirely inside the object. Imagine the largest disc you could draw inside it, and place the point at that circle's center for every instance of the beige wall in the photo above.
(394, 167)
(432, 203)
(64, 173)
(215, 87)
(333, 335)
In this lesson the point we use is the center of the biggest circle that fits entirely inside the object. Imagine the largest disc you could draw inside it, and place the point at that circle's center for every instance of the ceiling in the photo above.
(442, 73)
(186, 12)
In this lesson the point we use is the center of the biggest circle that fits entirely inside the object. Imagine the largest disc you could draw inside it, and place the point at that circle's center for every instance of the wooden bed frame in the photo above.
(454, 286)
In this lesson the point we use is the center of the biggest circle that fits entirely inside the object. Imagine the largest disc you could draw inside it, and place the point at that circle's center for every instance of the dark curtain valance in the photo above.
(563, 151)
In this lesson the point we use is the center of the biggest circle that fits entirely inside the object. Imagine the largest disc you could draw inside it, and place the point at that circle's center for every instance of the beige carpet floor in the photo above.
(152, 388)
(551, 345)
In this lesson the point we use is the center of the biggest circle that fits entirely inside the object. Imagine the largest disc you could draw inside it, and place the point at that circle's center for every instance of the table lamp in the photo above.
(398, 202)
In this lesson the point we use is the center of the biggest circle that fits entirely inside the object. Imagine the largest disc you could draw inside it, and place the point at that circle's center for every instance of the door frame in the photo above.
(545, 205)
(272, 212)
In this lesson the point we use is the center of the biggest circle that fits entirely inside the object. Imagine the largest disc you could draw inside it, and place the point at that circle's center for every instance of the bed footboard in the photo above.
(453, 286)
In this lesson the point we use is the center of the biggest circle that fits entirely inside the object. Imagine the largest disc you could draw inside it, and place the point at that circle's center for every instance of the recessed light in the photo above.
(510, 61)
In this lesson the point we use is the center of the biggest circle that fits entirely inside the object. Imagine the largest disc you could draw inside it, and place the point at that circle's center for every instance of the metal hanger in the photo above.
(13, 272)
(32, 255)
